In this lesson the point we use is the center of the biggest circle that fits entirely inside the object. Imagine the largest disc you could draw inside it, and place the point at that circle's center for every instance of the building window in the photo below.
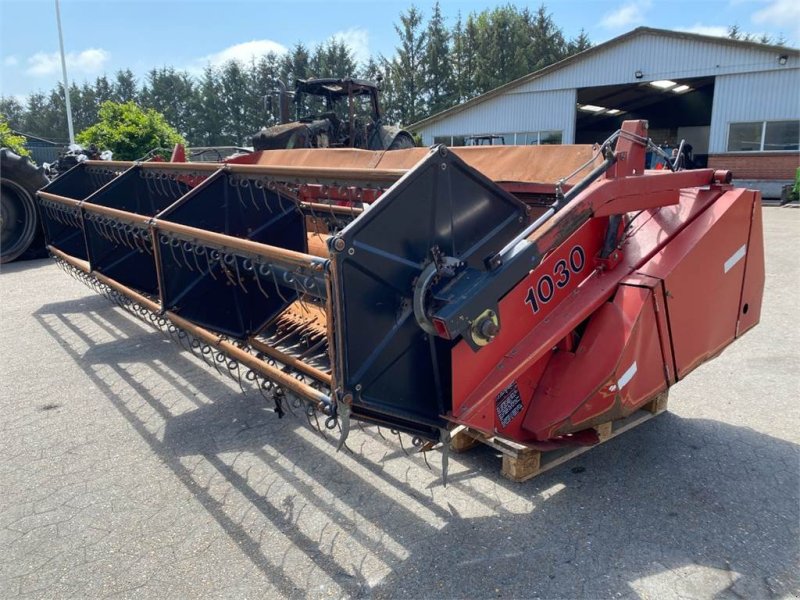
(549, 137)
(764, 136)
(525, 138)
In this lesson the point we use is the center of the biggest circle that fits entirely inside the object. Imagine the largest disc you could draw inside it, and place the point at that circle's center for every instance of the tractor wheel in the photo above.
(401, 141)
(19, 222)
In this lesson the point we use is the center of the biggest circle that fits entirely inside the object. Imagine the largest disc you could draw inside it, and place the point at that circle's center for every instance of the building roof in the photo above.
(28, 136)
(639, 31)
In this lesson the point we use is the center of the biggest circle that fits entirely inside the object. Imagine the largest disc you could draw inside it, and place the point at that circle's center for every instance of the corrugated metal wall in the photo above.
(767, 96)
(512, 113)
(548, 102)
(659, 57)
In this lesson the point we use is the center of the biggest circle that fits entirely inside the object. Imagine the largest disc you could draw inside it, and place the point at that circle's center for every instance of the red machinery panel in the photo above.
(528, 304)
(703, 270)
(617, 366)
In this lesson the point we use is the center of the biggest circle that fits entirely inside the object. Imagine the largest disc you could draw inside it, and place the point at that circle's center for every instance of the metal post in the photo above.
(64, 72)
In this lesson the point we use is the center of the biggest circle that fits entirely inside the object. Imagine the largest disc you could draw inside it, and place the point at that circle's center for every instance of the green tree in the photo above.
(408, 73)
(129, 131)
(10, 140)
(235, 96)
(13, 110)
(295, 63)
(125, 88)
(263, 78)
(546, 43)
(171, 93)
(332, 59)
(439, 79)
(210, 111)
(579, 43)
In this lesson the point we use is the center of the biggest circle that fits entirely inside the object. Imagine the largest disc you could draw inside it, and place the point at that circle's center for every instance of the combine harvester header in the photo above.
(422, 289)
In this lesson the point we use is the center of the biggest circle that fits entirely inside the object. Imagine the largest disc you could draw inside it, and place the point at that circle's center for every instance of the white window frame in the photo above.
(516, 135)
(763, 137)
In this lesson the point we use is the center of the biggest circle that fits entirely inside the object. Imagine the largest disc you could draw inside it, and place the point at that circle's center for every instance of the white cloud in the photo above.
(628, 15)
(357, 40)
(713, 30)
(779, 13)
(10, 61)
(244, 52)
(88, 61)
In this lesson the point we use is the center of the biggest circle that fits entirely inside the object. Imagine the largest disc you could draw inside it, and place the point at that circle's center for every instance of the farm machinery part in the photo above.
(423, 289)
(331, 113)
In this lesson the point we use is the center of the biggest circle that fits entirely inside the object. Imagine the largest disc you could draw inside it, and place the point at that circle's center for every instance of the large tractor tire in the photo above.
(401, 141)
(19, 221)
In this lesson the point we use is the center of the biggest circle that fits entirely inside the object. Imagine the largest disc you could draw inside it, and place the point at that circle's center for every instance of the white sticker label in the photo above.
(627, 376)
(735, 258)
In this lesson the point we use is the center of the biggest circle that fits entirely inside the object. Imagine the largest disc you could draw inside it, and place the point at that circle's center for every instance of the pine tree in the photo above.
(547, 44)
(295, 64)
(210, 110)
(125, 88)
(408, 75)
(579, 43)
(439, 72)
(170, 92)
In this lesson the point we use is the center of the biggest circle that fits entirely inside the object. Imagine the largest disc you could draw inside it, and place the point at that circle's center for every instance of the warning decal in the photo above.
(509, 404)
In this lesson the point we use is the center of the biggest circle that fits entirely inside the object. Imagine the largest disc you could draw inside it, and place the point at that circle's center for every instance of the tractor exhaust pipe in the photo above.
(283, 101)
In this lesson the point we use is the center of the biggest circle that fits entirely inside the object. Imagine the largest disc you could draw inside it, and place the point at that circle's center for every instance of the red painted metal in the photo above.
(685, 280)
(517, 317)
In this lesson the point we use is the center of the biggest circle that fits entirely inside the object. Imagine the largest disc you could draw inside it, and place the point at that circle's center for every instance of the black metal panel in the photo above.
(117, 249)
(220, 290)
(81, 181)
(383, 358)
(63, 227)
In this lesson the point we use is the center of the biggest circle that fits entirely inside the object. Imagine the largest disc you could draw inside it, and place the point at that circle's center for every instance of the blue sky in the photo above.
(104, 36)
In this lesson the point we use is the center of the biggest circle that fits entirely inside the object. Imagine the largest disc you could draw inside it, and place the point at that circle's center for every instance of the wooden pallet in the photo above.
(521, 462)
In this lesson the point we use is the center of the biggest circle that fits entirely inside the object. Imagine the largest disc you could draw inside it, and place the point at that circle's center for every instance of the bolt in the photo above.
(488, 329)
(351, 251)
(338, 244)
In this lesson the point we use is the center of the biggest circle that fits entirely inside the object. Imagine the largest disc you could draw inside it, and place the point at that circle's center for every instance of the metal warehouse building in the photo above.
(737, 103)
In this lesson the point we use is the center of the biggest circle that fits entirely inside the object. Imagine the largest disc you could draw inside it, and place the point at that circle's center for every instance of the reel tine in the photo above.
(146, 176)
(257, 277)
(234, 366)
(208, 254)
(400, 439)
(172, 242)
(238, 187)
(197, 249)
(278, 287)
(183, 247)
(425, 458)
(239, 277)
(252, 195)
(264, 194)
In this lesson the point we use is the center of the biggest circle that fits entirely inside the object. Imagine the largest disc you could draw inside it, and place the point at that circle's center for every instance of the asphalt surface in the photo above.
(130, 469)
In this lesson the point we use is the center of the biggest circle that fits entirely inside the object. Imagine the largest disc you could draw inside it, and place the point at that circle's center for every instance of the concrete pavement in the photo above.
(130, 469)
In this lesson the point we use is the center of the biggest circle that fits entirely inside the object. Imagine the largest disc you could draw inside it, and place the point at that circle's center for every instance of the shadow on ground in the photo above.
(676, 507)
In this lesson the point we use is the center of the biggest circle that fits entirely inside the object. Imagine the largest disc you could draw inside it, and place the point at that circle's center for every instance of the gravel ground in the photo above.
(128, 468)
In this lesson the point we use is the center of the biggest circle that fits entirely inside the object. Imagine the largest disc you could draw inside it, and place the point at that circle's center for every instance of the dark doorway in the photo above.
(677, 109)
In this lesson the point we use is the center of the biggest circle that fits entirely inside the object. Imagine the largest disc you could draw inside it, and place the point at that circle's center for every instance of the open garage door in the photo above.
(676, 109)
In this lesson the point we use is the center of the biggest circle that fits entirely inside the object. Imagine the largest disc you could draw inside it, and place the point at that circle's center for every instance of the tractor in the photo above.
(331, 113)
